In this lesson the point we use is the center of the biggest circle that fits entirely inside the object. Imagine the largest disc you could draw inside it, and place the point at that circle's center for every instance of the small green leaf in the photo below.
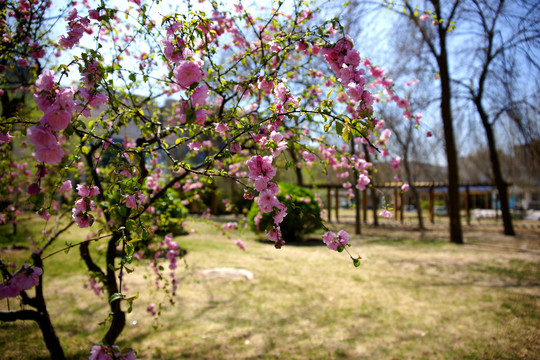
(115, 296)
(339, 128)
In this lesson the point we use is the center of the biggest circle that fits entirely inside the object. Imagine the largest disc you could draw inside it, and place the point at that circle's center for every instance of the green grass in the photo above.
(410, 299)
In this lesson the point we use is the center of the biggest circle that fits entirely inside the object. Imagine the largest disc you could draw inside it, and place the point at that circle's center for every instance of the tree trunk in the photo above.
(299, 176)
(500, 184)
(456, 235)
(43, 319)
(374, 197)
(118, 316)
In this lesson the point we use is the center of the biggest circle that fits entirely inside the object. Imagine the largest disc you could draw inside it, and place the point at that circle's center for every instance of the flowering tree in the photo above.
(240, 90)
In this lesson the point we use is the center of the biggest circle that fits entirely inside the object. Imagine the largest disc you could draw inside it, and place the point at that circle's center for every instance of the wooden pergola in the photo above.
(431, 188)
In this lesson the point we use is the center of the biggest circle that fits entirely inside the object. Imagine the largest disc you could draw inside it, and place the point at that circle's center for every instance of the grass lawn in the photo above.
(412, 298)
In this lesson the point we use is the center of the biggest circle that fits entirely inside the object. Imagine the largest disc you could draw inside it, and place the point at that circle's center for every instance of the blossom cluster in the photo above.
(77, 27)
(334, 242)
(171, 250)
(23, 279)
(105, 352)
(261, 172)
(84, 204)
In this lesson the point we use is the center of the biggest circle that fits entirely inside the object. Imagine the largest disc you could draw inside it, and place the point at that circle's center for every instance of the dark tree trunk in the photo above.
(374, 197)
(118, 316)
(456, 235)
(43, 319)
(414, 191)
(500, 184)
(357, 219)
(298, 171)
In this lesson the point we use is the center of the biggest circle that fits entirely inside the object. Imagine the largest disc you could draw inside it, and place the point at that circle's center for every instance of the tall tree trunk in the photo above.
(500, 184)
(357, 219)
(414, 191)
(456, 235)
(118, 316)
(299, 176)
(43, 319)
(374, 196)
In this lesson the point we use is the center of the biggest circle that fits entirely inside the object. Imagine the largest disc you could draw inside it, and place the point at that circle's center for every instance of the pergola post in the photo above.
(431, 204)
(329, 201)
(396, 205)
(365, 198)
(337, 203)
(467, 207)
(401, 195)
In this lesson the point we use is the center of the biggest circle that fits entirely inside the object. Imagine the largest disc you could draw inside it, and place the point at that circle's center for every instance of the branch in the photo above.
(9, 316)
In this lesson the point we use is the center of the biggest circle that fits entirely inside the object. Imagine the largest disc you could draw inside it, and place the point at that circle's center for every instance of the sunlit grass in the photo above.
(409, 299)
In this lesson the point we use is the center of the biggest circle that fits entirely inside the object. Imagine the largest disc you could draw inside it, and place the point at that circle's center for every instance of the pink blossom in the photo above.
(334, 241)
(274, 234)
(385, 213)
(240, 244)
(278, 218)
(22, 62)
(9, 290)
(33, 189)
(41, 135)
(94, 15)
(57, 119)
(83, 190)
(235, 147)
(45, 80)
(93, 190)
(265, 85)
(5, 138)
(221, 128)
(394, 163)
(187, 73)
(377, 72)
(26, 277)
(83, 220)
(131, 202)
(352, 58)
(309, 157)
(267, 201)
(51, 154)
(199, 95)
(151, 309)
(363, 181)
(103, 352)
(424, 17)
(229, 226)
(195, 146)
(405, 187)
(261, 167)
(248, 195)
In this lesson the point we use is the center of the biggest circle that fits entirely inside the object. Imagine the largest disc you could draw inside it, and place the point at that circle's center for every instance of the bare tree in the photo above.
(503, 35)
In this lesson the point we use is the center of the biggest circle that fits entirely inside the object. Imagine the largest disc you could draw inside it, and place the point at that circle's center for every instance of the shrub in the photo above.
(170, 214)
(303, 213)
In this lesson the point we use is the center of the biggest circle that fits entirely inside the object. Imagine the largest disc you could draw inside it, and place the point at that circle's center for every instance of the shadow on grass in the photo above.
(405, 242)
(307, 242)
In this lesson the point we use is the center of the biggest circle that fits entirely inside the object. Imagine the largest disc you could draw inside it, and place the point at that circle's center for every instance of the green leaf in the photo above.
(130, 249)
(346, 135)
(327, 127)
(339, 128)
(115, 296)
